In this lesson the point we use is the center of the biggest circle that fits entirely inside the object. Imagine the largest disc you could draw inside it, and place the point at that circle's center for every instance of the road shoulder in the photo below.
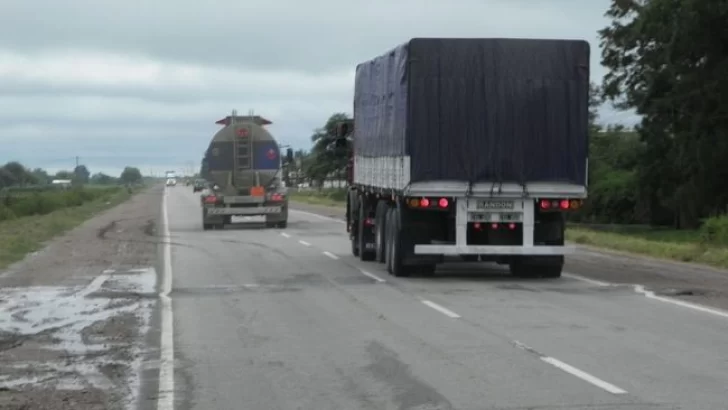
(74, 316)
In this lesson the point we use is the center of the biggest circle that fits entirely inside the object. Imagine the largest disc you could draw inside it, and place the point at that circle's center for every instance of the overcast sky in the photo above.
(141, 82)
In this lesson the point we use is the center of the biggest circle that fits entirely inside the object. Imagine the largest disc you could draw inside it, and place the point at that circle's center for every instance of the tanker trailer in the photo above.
(243, 169)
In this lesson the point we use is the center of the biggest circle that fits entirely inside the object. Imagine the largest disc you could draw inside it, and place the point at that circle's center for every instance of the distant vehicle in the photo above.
(199, 185)
(243, 167)
(171, 182)
(468, 147)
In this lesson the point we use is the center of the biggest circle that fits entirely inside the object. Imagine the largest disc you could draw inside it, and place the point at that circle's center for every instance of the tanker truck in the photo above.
(471, 149)
(242, 166)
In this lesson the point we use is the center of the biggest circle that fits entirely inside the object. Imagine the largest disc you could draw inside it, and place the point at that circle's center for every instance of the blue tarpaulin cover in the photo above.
(508, 110)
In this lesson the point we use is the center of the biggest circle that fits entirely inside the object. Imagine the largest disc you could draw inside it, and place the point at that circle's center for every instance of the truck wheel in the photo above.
(398, 268)
(523, 268)
(354, 245)
(388, 243)
(380, 223)
(364, 253)
(283, 224)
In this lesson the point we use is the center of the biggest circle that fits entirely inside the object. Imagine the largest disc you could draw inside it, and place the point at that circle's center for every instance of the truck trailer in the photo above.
(242, 166)
(469, 148)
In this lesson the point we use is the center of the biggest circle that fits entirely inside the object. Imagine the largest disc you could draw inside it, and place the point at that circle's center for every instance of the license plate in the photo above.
(496, 204)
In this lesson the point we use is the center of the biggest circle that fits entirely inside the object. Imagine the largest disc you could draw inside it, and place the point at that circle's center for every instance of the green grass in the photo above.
(707, 246)
(20, 236)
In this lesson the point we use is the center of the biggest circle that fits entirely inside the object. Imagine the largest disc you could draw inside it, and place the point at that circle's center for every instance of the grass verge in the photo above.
(682, 246)
(21, 236)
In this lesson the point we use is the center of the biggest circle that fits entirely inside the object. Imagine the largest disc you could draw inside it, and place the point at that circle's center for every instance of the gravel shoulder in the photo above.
(690, 282)
(74, 317)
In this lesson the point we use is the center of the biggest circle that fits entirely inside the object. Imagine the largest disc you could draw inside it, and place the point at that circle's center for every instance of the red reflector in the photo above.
(443, 202)
(369, 221)
(545, 204)
(276, 197)
(424, 202)
(476, 225)
(210, 199)
(511, 226)
(564, 204)
(494, 226)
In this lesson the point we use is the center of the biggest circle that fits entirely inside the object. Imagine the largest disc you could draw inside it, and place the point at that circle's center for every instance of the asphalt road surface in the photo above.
(288, 319)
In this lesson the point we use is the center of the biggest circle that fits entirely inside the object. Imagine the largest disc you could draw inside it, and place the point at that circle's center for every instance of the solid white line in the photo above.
(325, 218)
(330, 255)
(165, 397)
(444, 311)
(371, 275)
(285, 235)
(304, 243)
(651, 295)
(583, 375)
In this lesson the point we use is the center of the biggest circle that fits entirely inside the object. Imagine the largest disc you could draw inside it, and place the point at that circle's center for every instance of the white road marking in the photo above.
(165, 397)
(587, 280)
(637, 288)
(285, 235)
(444, 311)
(651, 295)
(330, 255)
(325, 218)
(583, 375)
(304, 243)
(571, 369)
(371, 275)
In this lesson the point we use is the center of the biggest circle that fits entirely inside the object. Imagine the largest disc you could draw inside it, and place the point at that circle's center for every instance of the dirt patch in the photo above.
(73, 317)
(101, 234)
(685, 281)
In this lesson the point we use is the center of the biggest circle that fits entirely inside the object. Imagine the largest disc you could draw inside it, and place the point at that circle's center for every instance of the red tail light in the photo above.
(511, 226)
(443, 202)
(424, 202)
(557, 204)
(369, 221)
(210, 199)
(276, 197)
(476, 225)
(494, 226)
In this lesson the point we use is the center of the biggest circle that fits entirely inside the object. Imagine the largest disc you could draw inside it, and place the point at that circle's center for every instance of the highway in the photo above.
(268, 319)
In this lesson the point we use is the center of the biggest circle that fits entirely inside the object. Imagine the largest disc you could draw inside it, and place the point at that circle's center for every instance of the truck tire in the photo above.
(388, 243)
(395, 238)
(380, 223)
(364, 254)
(523, 267)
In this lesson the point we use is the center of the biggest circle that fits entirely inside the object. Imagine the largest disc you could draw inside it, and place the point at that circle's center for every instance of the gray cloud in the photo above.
(142, 82)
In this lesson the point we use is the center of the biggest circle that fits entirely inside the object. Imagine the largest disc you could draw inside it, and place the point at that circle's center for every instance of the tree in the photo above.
(131, 175)
(326, 157)
(63, 175)
(102, 179)
(667, 61)
(81, 174)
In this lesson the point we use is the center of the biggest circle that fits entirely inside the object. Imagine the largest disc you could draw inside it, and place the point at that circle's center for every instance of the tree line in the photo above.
(667, 62)
(15, 175)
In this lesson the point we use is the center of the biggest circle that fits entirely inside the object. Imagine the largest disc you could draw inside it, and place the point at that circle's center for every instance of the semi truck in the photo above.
(468, 149)
(242, 166)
